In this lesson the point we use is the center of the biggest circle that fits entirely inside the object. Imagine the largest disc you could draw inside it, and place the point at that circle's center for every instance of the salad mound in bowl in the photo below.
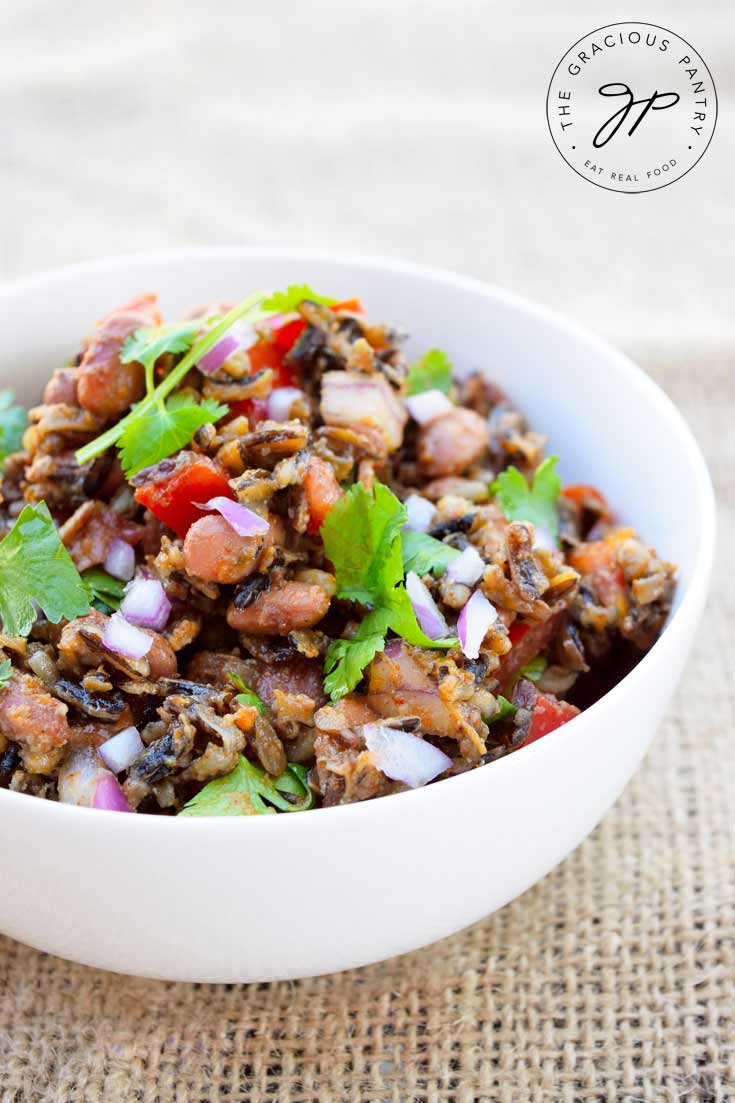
(293, 552)
(257, 560)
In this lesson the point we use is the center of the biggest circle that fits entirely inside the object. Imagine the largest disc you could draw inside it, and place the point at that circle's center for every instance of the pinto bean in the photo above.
(161, 657)
(62, 388)
(81, 645)
(214, 552)
(105, 386)
(30, 715)
(450, 443)
(281, 610)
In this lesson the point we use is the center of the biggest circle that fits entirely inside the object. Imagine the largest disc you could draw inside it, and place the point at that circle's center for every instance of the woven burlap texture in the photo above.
(612, 980)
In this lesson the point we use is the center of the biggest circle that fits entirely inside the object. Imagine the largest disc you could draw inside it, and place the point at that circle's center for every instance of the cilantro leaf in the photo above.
(244, 791)
(246, 696)
(535, 503)
(505, 710)
(534, 669)
(284, 302)
(6, 670)
(431, 372)
(13, 422)
(362, 538)
(105, 592)
(35, 567)
(423, 553)
(161, 429)
(346, 660)
(250, 307)
(147, 344)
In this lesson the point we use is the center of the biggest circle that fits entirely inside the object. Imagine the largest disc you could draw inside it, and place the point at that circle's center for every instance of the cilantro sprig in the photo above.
(36, 569)
(165, 428)
(362, 538)
(147, 344)
(249, 791)
(534, 669)
(284, 302)
(431, 372)
(105, 592)
(13, 422)
(246, 696)
(153, 408)
(6, 671)
(536, 503)
(505, 710)
(423, 553)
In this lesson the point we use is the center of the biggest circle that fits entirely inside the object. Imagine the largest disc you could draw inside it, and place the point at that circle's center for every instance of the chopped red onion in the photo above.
(404, 757)
(280, 402)
(474, 621)
(467, 568)
(125, 639)
(146, 604)
(277, 321)
(242, 519)
(427, 406)
(213, 360)
(120, 560)
(109, 795)
(543, 539)
(420, 513)
(353, 398)
(78, 776)
(121, 750)
(427, 614)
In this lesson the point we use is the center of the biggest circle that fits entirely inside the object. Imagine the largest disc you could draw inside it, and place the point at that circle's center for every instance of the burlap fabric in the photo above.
(612, 980)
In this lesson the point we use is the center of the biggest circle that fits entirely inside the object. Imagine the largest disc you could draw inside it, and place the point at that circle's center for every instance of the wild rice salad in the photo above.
(253, 561)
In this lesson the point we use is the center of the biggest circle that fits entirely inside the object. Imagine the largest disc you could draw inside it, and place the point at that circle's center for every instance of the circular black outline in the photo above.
(624, 23)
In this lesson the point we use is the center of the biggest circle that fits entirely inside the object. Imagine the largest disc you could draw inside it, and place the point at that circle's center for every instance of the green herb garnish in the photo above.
(536, 503)
(163, 429)
(142, 419)
(362, 538)
(245, 791)
(423, 553)
(285, 302)
(147, 344)
(505, 710)
(246, 696)
(6, 670)
(105, 592)
(534, 669)
(13, 423)
(36, 569)
(431, 372)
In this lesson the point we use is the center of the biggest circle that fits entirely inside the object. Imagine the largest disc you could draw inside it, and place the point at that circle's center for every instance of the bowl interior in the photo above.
(607, 422)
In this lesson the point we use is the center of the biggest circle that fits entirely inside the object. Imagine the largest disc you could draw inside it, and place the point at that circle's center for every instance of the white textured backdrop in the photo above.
(401, 127)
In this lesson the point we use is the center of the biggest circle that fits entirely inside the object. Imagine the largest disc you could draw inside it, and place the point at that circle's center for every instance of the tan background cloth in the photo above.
(611, 981)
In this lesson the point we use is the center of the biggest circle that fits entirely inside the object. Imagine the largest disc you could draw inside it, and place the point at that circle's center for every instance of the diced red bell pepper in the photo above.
(171, 496)
(528, 641)
(286, 336)
(583, 493)
(548, 715)
(268, 354)
(254, 409)
(322, 491)
(597, 561)
(353, 305)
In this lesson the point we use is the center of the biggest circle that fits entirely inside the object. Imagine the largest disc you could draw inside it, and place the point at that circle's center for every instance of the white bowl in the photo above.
(292, 896)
